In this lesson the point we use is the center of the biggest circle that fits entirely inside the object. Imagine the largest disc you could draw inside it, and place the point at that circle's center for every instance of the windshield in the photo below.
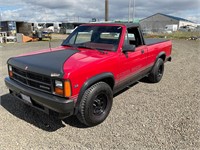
(95, 37)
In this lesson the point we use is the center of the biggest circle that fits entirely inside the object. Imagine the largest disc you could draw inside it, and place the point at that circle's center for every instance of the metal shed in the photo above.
(13, 27)
(158, 22)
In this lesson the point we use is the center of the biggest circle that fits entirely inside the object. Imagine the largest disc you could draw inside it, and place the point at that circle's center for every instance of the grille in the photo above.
(33, 80)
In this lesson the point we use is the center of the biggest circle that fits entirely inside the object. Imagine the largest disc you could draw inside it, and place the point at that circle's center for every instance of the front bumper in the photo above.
(40, 100)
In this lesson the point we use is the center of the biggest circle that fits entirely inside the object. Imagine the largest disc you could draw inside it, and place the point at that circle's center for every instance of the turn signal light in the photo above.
(62, 88)
(67, 88)
(10, 71)
(58, 91)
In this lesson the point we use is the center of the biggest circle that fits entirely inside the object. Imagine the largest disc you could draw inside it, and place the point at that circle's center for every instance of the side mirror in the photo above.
(128, 48)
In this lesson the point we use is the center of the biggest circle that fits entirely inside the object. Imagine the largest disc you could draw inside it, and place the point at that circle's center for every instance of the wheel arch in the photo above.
(105, 77)
(158, 65)
(161, 55)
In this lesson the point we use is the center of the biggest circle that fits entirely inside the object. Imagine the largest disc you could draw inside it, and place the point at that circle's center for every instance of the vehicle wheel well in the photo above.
(109, 81)
(163, 57)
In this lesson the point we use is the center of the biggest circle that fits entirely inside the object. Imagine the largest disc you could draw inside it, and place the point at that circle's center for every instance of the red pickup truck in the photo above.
(81, 76)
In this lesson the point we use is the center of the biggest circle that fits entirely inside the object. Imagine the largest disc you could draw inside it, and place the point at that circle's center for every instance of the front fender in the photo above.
(106, 77)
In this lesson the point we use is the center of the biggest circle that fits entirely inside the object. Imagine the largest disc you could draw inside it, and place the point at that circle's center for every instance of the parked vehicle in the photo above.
(171, 27)
(69, 27)
(53, 27)
(81, 76)
(187, 28)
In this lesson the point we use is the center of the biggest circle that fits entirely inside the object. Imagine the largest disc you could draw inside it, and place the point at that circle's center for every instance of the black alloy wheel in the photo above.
(99, 104)
(95, 104)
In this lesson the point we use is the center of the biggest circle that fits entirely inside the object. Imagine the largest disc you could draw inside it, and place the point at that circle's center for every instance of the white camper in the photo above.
(171, 27)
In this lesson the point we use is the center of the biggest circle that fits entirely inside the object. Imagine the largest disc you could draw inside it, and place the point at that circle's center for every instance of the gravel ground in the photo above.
(146, 116)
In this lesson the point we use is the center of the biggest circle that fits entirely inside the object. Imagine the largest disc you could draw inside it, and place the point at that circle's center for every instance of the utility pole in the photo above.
(106, 10)
(129, 10)
(0, 19)
(133, 10)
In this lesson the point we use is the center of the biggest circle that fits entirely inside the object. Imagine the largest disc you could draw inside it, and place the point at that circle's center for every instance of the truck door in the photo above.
(133, 63)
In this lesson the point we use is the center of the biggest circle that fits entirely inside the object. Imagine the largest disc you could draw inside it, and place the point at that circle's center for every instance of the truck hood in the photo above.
(86, 61)
(47, 63)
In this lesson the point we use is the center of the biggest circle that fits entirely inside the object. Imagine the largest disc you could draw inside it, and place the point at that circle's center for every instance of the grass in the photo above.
(174, 35)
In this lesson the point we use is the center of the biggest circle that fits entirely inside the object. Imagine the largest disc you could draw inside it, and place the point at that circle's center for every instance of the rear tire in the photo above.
(157, 72)
(95, 104)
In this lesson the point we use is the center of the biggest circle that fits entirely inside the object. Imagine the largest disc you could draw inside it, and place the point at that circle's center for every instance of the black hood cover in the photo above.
(48, 63)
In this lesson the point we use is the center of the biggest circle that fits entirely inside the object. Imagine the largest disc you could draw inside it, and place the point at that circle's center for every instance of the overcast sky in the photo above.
(85, 10)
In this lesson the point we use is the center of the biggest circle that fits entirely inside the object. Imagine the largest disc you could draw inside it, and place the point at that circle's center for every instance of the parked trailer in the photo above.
(171, 27)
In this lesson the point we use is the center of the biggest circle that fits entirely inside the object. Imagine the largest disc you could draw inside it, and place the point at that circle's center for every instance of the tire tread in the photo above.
(81, 114)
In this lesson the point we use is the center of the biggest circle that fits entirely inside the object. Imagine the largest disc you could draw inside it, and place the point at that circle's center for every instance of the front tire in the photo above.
(157, 72)
(95, 104)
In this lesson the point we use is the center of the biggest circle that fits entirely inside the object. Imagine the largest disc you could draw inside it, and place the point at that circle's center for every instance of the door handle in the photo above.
(142, 51)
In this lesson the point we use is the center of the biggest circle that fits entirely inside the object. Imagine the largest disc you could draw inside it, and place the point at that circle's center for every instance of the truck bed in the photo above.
(149, 41)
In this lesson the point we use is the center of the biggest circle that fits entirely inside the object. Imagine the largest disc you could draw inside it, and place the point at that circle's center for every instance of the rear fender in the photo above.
(161, 55)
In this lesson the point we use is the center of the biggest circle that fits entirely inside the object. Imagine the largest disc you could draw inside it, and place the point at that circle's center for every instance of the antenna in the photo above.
(50, 43)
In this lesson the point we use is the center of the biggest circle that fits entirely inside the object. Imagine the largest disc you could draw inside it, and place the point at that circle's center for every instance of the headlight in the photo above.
(10, 71)
(58, 87)
(58, 84)
(62, 88)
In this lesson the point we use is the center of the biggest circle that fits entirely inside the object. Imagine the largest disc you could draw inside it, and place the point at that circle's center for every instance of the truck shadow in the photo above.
(145, 80)
(125, 89)
(37, 118)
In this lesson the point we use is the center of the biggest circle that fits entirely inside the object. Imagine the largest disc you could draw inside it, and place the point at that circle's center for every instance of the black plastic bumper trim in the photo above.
(55, 103)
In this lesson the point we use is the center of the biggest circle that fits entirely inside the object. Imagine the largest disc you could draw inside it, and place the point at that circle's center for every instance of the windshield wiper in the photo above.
(84, 46)
(88, 47)
(101, 49)
(79, 46)
(68, 45)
